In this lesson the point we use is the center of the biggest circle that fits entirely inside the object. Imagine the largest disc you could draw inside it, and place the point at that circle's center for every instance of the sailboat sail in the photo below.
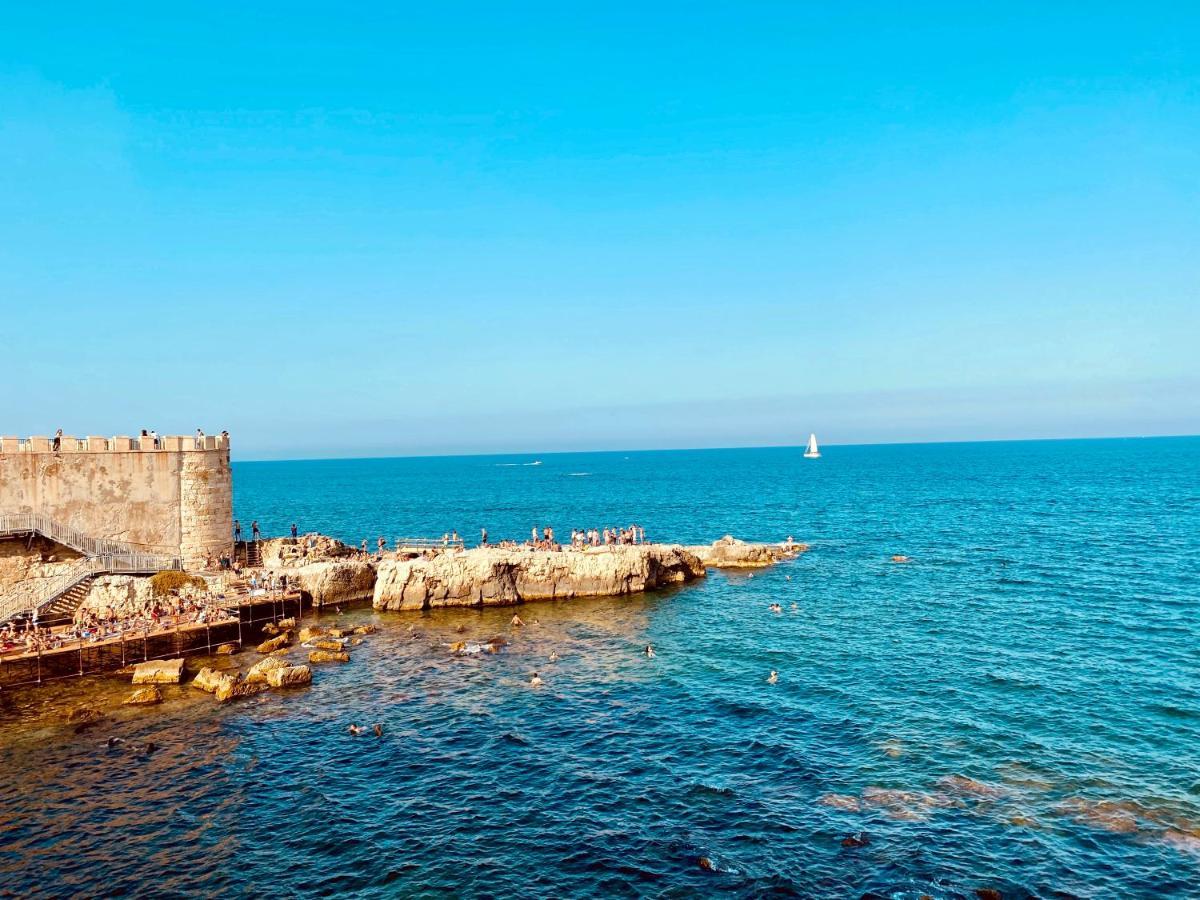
(811, 451)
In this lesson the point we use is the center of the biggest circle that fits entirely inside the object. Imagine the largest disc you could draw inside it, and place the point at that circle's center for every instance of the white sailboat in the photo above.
(811, 451)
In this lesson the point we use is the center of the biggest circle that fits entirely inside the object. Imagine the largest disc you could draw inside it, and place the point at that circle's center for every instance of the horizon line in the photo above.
(539, 453)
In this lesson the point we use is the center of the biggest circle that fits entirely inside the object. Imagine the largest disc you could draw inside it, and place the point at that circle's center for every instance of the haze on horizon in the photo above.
(402, 230)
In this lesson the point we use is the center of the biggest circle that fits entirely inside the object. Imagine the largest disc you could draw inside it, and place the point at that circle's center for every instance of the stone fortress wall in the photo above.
(166, 495)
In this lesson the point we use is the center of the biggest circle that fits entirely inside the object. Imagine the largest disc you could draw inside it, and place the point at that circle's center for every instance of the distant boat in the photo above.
(811, 451)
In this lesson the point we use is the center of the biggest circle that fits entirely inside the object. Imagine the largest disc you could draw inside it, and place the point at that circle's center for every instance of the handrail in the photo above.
(100, 555)
(427, 543)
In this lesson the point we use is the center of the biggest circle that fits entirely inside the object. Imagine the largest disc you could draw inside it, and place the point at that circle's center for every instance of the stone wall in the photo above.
(176, 501)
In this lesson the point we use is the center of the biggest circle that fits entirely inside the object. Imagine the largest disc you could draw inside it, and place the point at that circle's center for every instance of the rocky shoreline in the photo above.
(329, 572)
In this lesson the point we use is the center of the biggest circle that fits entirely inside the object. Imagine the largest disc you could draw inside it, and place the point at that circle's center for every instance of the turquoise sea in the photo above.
(1016, 709)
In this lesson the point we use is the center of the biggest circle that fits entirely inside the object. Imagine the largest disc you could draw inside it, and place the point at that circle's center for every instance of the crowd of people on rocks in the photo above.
(539, 539)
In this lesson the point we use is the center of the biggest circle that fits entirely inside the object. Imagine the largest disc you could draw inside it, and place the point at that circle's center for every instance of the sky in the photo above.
(390, 229)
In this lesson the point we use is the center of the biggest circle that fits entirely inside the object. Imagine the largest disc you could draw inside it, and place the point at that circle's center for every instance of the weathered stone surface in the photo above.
(283, 553)
(208, 680)
(227, 649)
(232, 688)
(730, 553)
(308, 632)
(338, 581)
(493, 576)
(289, 622)
(117, 595)
(82, 714)
(259, 671)
(326, 645)
(365, 629)
(289, 676)
(275, 643)
(144, 696)
(322, 656)
(159, 671)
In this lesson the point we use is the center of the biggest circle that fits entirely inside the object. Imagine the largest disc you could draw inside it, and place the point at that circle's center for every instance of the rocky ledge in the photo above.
(491, 576)
(730, 553)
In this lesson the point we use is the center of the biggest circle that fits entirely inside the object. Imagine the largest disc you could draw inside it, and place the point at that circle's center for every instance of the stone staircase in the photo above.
(249, 554)
(100, 556)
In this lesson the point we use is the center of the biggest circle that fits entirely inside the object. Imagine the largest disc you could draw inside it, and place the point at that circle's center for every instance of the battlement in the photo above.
(117, 444)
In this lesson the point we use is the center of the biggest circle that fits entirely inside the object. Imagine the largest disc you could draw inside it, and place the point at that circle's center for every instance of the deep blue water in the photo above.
(1043, 642)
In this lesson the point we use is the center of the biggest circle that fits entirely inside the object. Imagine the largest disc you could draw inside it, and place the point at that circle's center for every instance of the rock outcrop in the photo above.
(208, 680)
(322, 656)
(730, 553)
(117, 595)
(159, 671)
(289, 676)
(276, 643)
(233, 688)
(260, 670)
(493, 576)
(284, 553)
(338, 581)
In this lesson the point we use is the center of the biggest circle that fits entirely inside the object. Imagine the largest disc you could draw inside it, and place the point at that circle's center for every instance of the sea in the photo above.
(1013, 712)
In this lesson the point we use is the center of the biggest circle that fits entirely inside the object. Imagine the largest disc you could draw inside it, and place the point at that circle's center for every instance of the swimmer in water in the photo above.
(378, 729)
(788, 577)
(795, 607)
(114, 741)
(553, 656)
(773, 677)
(650, 651)
(516, 622)
(536, 680)
(354, 729)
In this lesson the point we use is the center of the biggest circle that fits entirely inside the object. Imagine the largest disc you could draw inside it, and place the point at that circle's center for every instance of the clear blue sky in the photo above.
(359, 229)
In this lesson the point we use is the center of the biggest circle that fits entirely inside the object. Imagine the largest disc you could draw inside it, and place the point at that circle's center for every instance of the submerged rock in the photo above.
(308, 632)
(289, 676)
(275, 643)
(840, 801)
(83, 715)
(227, 649)
(322, 656)
(858, 839)
(159, 671)
(365, 629)
(327, 645)
(144, 697)
(232, 688)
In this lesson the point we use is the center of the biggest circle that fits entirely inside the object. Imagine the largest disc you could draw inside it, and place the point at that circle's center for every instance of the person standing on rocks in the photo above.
(255, 532)
(237, 531)
(482, 537)
(294, 531)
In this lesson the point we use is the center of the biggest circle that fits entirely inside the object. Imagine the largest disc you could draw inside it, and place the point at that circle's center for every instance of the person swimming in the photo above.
(536, 680)
(553, 656)
(378, 729)
(516, 622)
(773, 677)
(354, 729)
(776, 608)
(795, 606)
(650, 651)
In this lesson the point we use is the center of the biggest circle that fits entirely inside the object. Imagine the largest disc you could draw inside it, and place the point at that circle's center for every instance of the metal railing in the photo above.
(426, 543)
(101, 555)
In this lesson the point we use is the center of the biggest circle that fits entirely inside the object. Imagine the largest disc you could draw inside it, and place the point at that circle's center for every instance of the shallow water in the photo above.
(1042, 645)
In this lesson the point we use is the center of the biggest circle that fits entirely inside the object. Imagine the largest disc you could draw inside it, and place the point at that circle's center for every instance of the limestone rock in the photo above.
(494, 576)
(227, 649)
(338, 632)
(365, 629)
(289, 676)
(333, 582)
(82, 714)
(259, 671)
(275, 643)
(321, 656)
(233, 690)
(289, 622)
(144, 696)
(730, 553)
(208, 680)
(117, 595)
(327, 645)
(159, 671)
(270, 628)
(283, 553)
(308, 632)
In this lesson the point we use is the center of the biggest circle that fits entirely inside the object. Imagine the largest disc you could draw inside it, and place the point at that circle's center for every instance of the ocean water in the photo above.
(1017, 708)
